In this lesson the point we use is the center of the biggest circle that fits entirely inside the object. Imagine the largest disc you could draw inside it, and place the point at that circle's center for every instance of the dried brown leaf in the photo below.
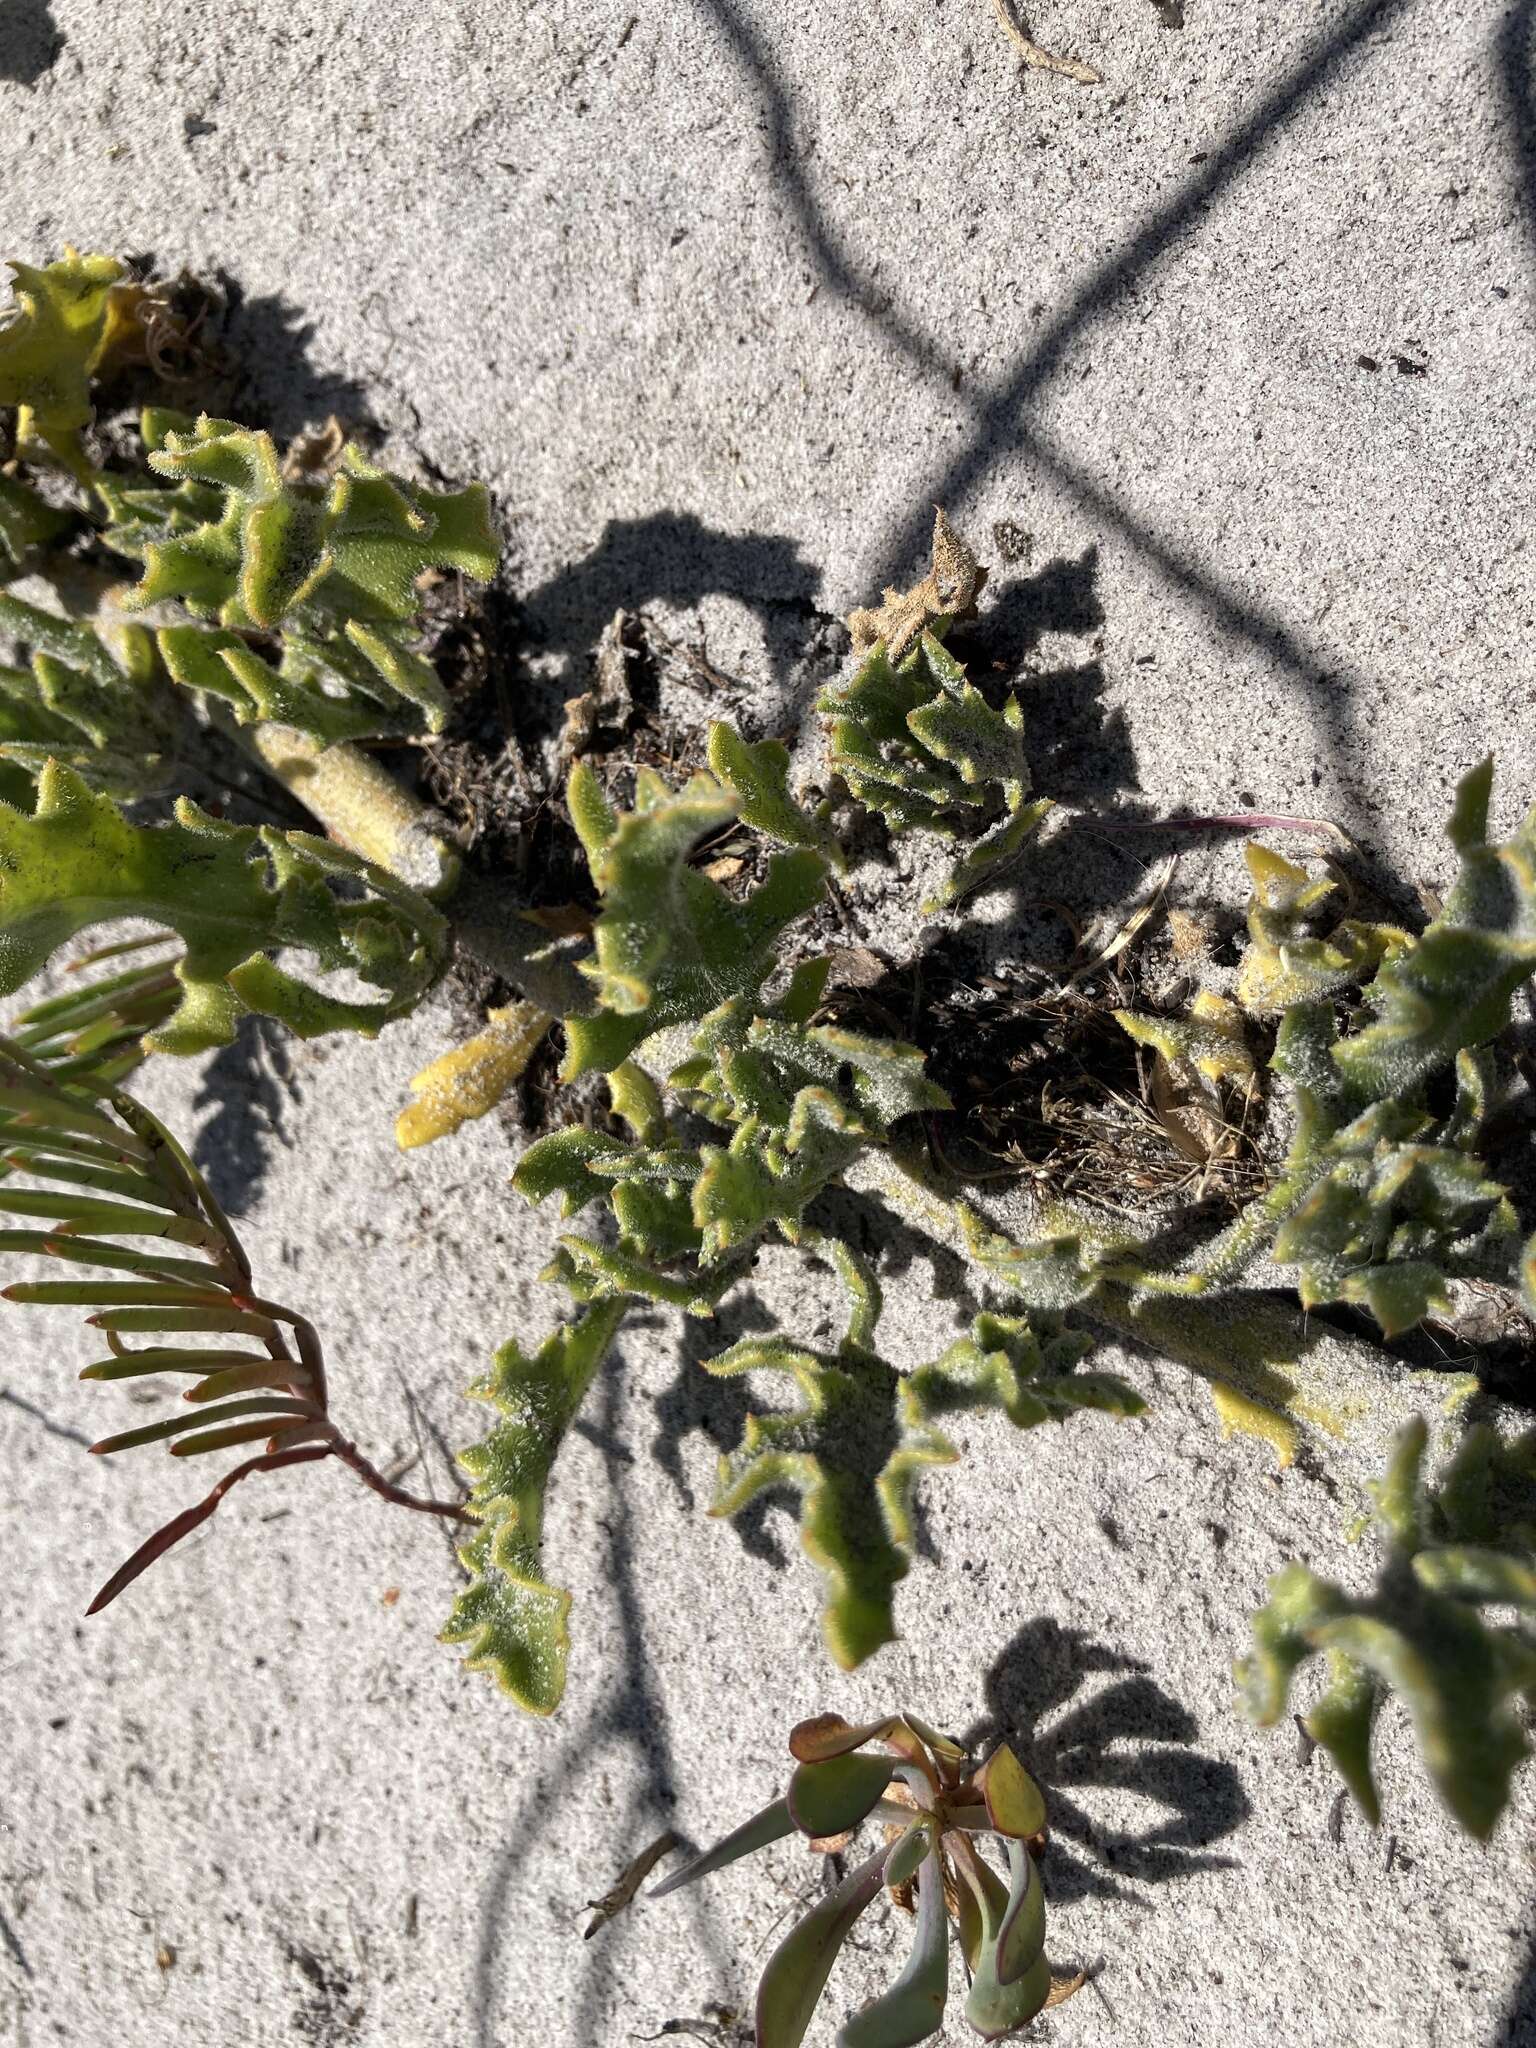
(1063, 1988)
(1189, 1109)
(949, 590)
(856, 967)
(622, 1894)
(607, 709)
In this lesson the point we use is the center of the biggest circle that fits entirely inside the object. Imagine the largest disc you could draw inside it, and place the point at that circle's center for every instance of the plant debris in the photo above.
(1047, 1088)
(622, 1894)
(948, 591)
(604, 713)
(1039, 59)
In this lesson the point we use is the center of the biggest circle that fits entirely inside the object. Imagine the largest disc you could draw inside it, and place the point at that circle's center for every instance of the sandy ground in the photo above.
(1227, 365)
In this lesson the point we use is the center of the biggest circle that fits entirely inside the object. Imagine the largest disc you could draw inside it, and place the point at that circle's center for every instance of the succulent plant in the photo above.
(913, 740)
(1452, 1549)
(1378, 1204)
(857, 1448)
(281, 606)
(284, 604)
(332, 567)
(932, 1807)
(234, 893)
(118, 1193)
(1382, 1199)
(512, 1621)
(102, 710)
(53, 341)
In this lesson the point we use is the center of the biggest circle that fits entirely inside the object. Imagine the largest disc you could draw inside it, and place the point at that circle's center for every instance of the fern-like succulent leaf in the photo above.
(103, 711)
(1284, 962)
(1418, 1634)
(333, 568)
(915, 741)
(858, 1446)
(670, 943)
(1452, 987)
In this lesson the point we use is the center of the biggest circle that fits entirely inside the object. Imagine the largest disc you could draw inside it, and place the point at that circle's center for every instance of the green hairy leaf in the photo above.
(1392, 1217)
(856, 1449)
(670, 943)
(1452, 987)
(1211, 1038)
(1284, 963)
(332, 567)
(51, 344)
(798, 1104)
(104, 712)
(1382, 1201)
(913, 740)
(1419, 1633)
(232, 893)
(27, 520)
(758, 777)
(512, 1621)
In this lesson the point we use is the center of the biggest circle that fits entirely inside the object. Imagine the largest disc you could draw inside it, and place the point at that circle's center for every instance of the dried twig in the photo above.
(1042, 60)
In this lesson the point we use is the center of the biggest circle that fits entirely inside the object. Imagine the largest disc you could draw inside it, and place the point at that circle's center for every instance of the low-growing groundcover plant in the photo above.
(179, 589)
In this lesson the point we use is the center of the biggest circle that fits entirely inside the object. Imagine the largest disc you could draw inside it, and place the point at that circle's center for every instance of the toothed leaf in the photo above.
(50, 345)
(916, 742)
(669, 943)
(1417, 1634)
(231, 893)
(1452, 987)
(511, 1619)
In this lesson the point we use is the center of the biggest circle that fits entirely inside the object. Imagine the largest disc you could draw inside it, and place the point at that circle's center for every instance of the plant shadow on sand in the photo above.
(30, 40)
(1127, 1736)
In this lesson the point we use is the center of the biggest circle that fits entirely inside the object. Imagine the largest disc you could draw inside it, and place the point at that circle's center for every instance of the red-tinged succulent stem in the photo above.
(370, 1475)
(191, 1518)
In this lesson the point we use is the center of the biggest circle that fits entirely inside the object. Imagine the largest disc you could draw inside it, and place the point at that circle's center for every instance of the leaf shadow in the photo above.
(30, 40)
(1002, 424)
(1077, 746)
(1129, 1735)
(248, 1086)
(674, 558)
(694, 1402)
(633, 1717)
(254, 358)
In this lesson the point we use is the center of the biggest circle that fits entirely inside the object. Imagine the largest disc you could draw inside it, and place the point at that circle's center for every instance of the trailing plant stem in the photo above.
(370, 1475)
(360, 804)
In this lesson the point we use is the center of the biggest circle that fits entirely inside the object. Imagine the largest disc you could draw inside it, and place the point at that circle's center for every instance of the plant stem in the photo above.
(361, 805)
(1273, 1369)
(370, 1475)
(364, 808)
